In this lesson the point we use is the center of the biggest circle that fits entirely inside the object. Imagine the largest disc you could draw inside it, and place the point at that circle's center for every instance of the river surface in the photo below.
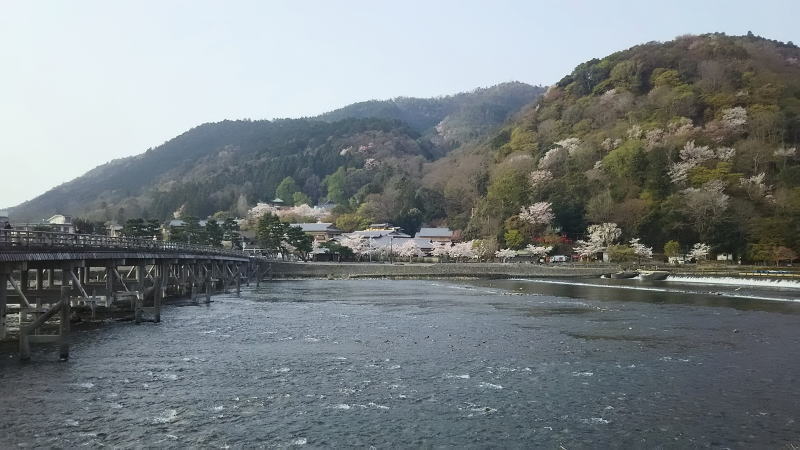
(425, 363)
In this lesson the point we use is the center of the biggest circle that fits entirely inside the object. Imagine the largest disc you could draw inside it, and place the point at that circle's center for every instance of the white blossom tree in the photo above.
(408, 249)
(785, 153)
(599, 238)
(463, 250)
(539, 251)
(700, 251)
(640, 250)
(754, 186)
(539, 177)
(734, 118)
(553, 158)
(706, 204)
(540, 213)
(505, 254)
(691, 156)
(725, 153)
(359, 246)
(441, 250)
(571, 144)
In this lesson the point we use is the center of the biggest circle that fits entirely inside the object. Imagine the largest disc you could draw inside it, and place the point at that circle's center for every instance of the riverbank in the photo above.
(435, 270)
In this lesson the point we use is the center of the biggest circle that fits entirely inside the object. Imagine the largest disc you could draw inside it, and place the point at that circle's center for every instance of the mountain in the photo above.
(453, 119)
(229, 165)
(692, 140)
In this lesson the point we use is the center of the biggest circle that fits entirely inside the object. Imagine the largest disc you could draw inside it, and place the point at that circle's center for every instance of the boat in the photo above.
(624, 274)
(654, 275)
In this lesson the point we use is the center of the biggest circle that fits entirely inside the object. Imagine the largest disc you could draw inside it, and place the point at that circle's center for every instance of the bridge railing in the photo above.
(20, 240)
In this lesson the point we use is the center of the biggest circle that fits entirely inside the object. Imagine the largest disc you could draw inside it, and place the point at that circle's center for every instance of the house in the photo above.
(113, 229)
(58, 223)
(277, 202)
(381, 227)
(375, 234)
(321, 232)
(441, 235)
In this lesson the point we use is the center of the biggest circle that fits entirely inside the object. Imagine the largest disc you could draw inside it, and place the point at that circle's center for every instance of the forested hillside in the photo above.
(692, 140)
(230, 165)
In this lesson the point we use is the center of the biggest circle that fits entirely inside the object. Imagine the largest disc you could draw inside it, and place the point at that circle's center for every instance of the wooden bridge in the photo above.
(49, 278)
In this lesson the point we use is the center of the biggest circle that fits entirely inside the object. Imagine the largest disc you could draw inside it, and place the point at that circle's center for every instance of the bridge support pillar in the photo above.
(66, 310)
(39, 279)
(24, 283)
(208, 289)
(161, 279)
(3, 300)
(51, 278)
(238, 281)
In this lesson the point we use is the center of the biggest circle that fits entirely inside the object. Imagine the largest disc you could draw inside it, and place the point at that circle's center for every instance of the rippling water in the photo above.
(382, 363)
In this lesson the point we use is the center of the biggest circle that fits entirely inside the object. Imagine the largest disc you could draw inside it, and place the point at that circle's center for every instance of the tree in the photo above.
(539, 251)
(514, 239)
(270, 233)
(299, 198)
(134, 228)
(350, 222)
(781, 253)
(299, 240)
(700, 251)
(338, 250)
(640, 250)
(620, 253)
(286, 189)
(505, 254)
(408, 250)
(359, 246)
(213, 233)
(231, 232)
(540, 213)
(672, 249)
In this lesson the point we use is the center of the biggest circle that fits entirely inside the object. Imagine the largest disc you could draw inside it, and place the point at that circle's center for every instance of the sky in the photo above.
(85, 82)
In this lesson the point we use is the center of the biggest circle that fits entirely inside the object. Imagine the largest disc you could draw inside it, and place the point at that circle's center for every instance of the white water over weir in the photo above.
(733, 281)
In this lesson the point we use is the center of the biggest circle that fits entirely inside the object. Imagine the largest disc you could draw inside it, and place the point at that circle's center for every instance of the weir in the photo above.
(49, 279)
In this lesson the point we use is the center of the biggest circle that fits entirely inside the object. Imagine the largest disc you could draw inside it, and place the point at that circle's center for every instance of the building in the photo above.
(440, 235)
(4, 220)
(58, 223)
(321, 232)
(113, 229)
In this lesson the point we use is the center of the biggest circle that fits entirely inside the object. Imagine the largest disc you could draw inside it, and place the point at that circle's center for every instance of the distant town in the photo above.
(307, 233)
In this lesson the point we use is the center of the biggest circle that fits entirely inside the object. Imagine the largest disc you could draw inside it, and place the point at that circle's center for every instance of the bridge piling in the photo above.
(3, 300)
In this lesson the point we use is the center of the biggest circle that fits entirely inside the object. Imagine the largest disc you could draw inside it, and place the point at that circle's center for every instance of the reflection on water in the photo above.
(343, 363)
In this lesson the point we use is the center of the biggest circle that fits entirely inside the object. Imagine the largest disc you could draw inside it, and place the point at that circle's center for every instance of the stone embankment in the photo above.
(437, 270)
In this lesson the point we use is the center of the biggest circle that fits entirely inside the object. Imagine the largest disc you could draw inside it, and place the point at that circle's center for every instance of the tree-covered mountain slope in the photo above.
(692, 140)
(228, 166)
(451, 119)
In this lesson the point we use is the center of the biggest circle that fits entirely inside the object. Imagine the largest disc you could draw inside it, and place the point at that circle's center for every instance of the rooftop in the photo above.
(435, 232)
(316, 227)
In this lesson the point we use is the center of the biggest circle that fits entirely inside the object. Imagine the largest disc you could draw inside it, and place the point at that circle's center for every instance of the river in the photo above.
(426, 363)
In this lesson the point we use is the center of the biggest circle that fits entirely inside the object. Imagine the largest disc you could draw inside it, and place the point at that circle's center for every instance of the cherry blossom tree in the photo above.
(706, 204)
(587, 249)
(599, 238)
(700, 251)
(691, 156)
(505, 254)
(725, 153)
(540, 213)
(539, 177)
(734, 118)
(358, 245)
(441, 250)
(408, 250)
(553, 158)
(570, 144)
(463, 250)
(540, 251)
(640, 250)
(754, 186)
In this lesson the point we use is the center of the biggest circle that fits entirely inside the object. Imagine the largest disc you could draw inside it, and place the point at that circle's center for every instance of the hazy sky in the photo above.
(83, 82)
